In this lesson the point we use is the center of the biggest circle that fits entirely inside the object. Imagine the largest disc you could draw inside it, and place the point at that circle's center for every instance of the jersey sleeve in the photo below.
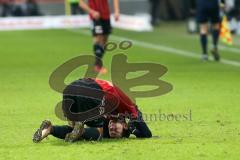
(139, 128)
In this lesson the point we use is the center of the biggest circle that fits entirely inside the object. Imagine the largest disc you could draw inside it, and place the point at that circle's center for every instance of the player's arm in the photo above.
(86, 8)
(116, 9)
(139, 128)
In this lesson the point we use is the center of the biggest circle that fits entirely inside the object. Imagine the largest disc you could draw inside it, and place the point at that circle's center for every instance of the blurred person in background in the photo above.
(232, 9)
(31, 8)
(18, 9)
(75, 8)
(191, 22)
(155, 7)
(209, 10)
(7, 6)
(171, 9)
(100, 15)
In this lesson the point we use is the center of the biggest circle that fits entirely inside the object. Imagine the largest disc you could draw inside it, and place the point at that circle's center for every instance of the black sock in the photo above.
(61, 131)
(215, 36)
(99, 52)
(204, 42)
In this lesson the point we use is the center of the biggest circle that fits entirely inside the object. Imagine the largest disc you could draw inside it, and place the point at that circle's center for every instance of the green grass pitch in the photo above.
(210, 90)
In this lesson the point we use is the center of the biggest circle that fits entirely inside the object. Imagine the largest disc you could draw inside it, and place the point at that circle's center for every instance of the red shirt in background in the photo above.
(100, 6)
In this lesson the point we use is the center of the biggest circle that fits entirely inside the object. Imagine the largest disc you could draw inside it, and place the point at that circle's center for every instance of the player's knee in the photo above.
(203, 29)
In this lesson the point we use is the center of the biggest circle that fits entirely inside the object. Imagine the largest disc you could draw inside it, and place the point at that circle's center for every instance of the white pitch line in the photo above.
(163, 48)
(231, 49)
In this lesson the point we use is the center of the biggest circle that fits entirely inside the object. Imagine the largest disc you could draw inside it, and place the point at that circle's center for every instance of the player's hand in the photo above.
(116, 16)
(96, 15)
(131, 127)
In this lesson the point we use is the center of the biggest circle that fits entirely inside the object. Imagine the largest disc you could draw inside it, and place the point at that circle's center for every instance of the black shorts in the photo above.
(79, 102)
(101, 27)
(206, 14)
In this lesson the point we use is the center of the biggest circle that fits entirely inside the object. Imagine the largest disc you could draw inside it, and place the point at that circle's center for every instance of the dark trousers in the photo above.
(155, 6)
(77, 98)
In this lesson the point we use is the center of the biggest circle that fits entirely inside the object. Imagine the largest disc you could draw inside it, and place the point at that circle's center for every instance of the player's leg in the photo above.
(98, 48)
(105, 39)
(62, 132)
(43, 131)
(215, 34)
(215, 37)
(99, 64)
(101, 31)
(202, 18)
(204, 40)
(215, 21)
(76, 132)
(107, 30)
(46, 129)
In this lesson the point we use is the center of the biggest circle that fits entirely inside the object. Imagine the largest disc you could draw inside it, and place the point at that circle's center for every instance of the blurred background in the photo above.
(158, 10)
(166, 9)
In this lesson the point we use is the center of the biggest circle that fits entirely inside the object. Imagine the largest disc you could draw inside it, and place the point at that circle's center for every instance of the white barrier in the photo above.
(135, 23)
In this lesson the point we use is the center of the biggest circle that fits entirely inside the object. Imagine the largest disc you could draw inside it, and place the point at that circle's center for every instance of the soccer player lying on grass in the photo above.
(111, 125)
(114, 128)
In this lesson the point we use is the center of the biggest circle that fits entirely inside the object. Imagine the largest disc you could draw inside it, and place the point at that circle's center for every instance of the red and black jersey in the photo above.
(102, 7)
(87, 94)
(125, 104)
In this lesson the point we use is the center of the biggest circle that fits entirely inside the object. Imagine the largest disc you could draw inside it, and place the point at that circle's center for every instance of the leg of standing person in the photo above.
(98, 48)
(204, 40)
(101, 31)
(215, 21)
(215, 37)
(155, 5)
(202, 18)
(74, 6)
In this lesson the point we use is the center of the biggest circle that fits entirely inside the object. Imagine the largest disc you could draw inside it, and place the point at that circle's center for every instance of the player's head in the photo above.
(118, 128)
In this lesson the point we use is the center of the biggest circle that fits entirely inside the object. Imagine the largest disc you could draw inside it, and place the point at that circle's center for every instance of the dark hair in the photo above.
(126, 133)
